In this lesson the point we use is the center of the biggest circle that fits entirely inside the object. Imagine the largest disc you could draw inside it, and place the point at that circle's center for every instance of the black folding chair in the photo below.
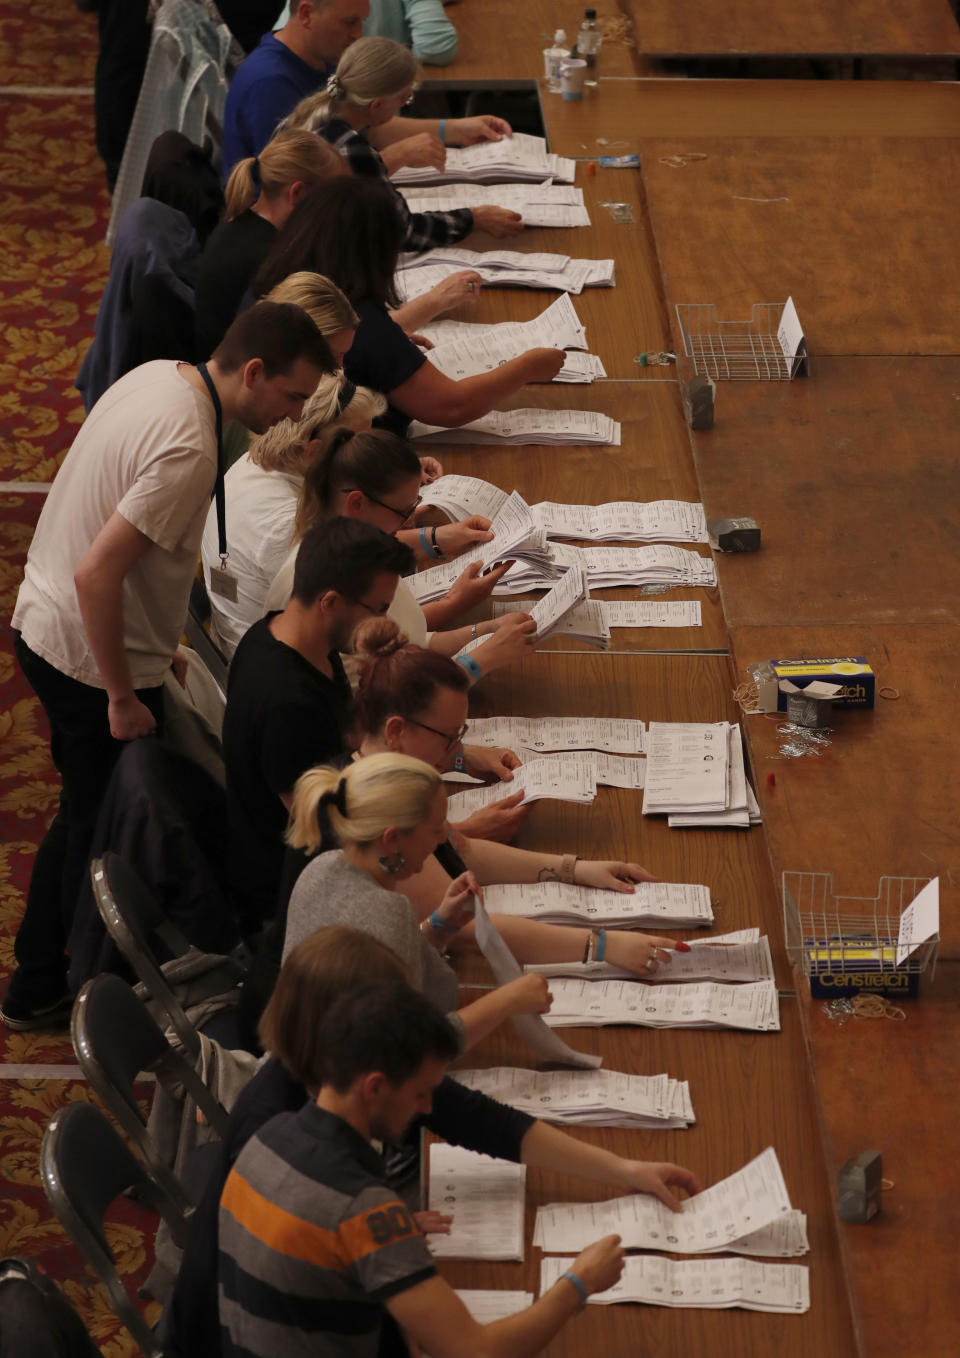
(84, 1167)
(115, 1040)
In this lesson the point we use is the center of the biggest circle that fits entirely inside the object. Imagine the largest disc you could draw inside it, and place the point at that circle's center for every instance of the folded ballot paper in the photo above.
(550, 428)
(587, 623)
(568, 779)
(515, 538)
(699, 1004)
(749, 1212)
(696, 774)
(550, 611)
(517, 158)
(484, 1196)
(538, 204)
(588, 1098)
(739, 958)
(612, 735)
(426, 271)
(464, 348)
(614, 568)
(714, 1284)
(624, 521)
(650, 905)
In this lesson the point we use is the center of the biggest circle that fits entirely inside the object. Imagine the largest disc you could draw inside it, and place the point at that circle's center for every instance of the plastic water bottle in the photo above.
(589, 38)
(552, 57)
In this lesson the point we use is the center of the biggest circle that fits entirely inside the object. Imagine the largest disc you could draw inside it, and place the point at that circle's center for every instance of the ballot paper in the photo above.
(656, 613)
(464, 349)
(588, 1098)
(624, 520)
(617, 770)
(613, 735)
(539, 204)
(716, 1284)
(585, 622)
(515, 537)
(715, 1219)
(529, 1027)
(577, 274)
(920, 921)
(615, 567)
(484, 1196)
(651, 905)
(508, 261)
(558, 602)
(520, 157)
(686, 767)
(699, 1004)
(568, 779)
(733, 961)
(741, 810)
(550, 428)
(460, 496)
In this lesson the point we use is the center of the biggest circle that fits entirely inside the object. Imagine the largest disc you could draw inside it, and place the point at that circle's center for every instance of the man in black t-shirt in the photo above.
(288, 698)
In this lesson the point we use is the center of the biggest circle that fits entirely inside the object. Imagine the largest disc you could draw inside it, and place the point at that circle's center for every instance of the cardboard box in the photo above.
(858, 967)
(855, 681)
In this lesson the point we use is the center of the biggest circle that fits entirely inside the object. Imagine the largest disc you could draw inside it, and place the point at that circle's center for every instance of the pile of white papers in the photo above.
(485, 1198)
(517, 158)
(656, 613)
(558, 603)
(613, 735)
(651, 905)
(701, 1004)
(460, 496)
(585, 623)
(551, 428)
(464, 349)
(538, 204)
(716, 1284)
(624, 521)
(588, 1098)
(725, 1216)
(569, 779)
(738, 958)
(420, 273)
(616, 567)
(696, 774)
(515, 537)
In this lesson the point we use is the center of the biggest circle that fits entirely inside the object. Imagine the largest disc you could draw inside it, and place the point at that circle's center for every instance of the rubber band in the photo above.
(889, 692)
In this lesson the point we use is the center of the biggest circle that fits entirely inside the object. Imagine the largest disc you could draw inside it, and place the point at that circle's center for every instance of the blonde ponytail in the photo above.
(363, 801)
(370, 68)
(289, 158)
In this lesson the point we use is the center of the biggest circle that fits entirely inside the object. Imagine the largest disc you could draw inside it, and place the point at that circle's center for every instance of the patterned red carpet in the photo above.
(53, 265)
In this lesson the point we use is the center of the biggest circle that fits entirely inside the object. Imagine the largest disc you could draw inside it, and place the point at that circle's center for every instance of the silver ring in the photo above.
(471, 285)
(651, 964)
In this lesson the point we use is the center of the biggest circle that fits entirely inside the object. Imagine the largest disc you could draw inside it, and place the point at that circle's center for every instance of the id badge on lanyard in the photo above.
(222, 581)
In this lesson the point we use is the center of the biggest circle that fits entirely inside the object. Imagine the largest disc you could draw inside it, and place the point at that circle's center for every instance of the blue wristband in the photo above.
(442, 131)
(578, 1284)
(471, 666)
(427, 549)
(441, 925)
(601, 945)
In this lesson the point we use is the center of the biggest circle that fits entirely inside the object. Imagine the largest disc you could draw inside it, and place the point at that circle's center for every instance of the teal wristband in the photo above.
(601, 945)
(427, 549)
(578, 1284)
(442, 131)
(471, 666)
(441, 925)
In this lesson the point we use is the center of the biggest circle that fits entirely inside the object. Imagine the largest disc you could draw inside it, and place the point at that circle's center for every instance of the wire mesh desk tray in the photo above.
(747, 351)
(826, 934)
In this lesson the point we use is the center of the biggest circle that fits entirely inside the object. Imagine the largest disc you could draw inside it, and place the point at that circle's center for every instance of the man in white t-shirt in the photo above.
(107, 583)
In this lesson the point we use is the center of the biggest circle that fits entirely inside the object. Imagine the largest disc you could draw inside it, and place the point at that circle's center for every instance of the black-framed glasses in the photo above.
(380, 612)
(452, 740)
(402, 514)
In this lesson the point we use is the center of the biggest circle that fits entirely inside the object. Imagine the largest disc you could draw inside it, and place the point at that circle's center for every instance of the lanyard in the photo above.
(218, 490)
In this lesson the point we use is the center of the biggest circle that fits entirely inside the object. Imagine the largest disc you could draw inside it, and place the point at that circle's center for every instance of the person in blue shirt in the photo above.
(421, 25)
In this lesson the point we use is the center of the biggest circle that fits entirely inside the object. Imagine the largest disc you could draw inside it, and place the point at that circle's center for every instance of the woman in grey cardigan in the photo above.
(389, 814)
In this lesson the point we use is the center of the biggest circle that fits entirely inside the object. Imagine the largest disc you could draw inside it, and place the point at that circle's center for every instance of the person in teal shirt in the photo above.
(421, 25)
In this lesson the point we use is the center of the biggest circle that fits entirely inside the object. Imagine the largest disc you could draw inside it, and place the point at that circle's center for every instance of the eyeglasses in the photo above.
(375, 612)
(451, 740)
(402, 514)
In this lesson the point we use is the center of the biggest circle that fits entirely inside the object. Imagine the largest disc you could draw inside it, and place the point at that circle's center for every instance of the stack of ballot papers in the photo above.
(735, 959)
(464, 349)
(588, 1098)
(749, 1212)
(569, 779)
(417, 274)
(485, 1198)
(551, 428)
(624, 521)
(696, 774)
(515, 537)
(518, 158)
(615, 568)
(716, 1284)
(557, 604)
(656, 613)
(586, 623)
(612, 735)
(699, 1004)
(538, 204)
(651, 905)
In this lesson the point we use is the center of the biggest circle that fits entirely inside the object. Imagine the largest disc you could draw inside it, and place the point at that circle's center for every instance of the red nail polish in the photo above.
(683, 947)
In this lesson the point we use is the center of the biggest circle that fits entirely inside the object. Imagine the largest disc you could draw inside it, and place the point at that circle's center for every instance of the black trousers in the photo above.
(121, 62)
(84, 753)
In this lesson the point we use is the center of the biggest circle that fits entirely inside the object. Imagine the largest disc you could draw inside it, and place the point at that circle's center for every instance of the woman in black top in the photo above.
(350, 231)
(260, 195)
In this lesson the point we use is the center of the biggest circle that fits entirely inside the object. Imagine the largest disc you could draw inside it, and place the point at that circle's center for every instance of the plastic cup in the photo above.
(572, 75)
